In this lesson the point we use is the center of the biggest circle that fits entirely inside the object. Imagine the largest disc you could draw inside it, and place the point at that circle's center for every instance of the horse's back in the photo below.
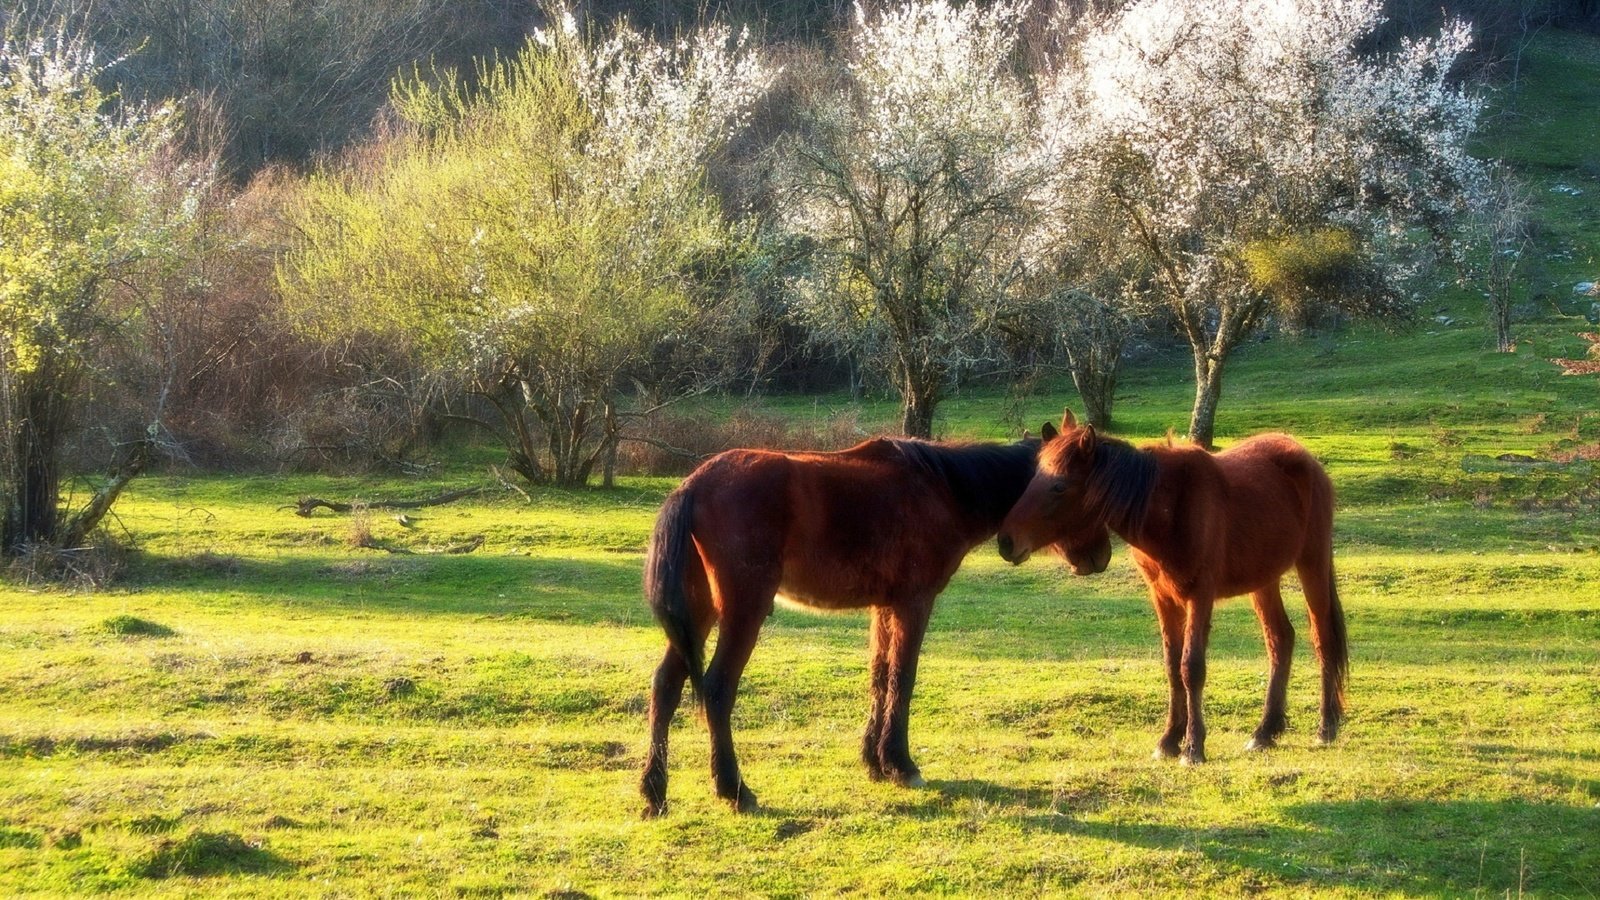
(1275, 499)
(840, 529)
(1269, 457)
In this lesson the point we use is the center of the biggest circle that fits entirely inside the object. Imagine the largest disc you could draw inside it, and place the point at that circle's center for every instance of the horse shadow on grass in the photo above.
(1439, 847)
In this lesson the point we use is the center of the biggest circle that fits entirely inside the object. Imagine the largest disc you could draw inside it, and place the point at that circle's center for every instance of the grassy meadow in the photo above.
(261, 708)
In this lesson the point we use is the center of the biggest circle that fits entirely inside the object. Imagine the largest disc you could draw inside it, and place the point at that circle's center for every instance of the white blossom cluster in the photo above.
(929, 74)
(1250, 115)
(910, 172)
(661, 110)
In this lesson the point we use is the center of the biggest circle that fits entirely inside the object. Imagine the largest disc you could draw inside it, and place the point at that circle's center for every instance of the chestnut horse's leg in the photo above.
(665, 695)
(1279, 635)
(666, 691)
(736, 637)
(878, 688)
(1170, 612)
(1327, 637)
(908, 623)
(1195, 636)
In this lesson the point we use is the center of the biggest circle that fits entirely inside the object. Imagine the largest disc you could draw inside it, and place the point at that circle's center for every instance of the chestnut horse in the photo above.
(883, 525)
(1201, 527)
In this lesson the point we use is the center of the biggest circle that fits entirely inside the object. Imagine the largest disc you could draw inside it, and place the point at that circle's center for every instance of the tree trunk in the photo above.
(41, 429)
(1207, 393)
(87, 519)
(609, 477)
(1098, 394)
(1094, 374)
(1501, 317)
(518, 436)
(916, 411)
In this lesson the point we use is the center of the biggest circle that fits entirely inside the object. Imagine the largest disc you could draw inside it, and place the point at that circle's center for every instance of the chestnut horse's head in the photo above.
(1060, 508)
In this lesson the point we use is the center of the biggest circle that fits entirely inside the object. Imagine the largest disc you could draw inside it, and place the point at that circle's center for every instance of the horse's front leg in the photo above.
(1196, 633)
(878, 689)
(1170, 612)
(908, 623)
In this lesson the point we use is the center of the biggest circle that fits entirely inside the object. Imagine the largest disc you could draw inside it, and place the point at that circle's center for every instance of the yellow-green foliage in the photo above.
(1301, 262)
(488, 232)
(74, 207)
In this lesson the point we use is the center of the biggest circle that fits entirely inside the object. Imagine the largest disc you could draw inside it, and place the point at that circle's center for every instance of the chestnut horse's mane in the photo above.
(1121, 479)
(985, 478)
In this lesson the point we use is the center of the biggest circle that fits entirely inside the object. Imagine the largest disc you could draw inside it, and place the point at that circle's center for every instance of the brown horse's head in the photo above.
(1058, 509)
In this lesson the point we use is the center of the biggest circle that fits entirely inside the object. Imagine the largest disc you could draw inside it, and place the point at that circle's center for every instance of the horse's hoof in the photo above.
(653, 811)
(745, 802)
(1192, 758)
(1326, 735)
(1258, 744)
(1162, 751)
(910, 780)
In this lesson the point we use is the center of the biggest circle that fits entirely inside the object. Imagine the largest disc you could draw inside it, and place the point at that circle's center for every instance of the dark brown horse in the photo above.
(882, 525)
(1201, 527)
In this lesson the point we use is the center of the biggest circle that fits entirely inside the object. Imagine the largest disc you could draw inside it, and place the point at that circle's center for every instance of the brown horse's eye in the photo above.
(1059, 486)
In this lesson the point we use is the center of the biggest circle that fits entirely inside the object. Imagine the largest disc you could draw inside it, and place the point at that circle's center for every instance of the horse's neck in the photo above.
(1142, 514)
(986, 482)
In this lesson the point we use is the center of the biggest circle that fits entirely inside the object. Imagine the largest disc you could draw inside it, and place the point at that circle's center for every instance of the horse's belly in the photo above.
(795, 600)
(843, 587)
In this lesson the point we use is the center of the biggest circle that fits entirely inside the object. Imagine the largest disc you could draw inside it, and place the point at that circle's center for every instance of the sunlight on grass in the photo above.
(260, 709)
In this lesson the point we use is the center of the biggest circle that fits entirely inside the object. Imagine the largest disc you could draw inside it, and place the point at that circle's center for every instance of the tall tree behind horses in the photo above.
(1201, 528)
(882, 525)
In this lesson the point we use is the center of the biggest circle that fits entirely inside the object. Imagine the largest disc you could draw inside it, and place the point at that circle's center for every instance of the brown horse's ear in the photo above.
(1067, 418)
(1087, 437)
(1048, 432)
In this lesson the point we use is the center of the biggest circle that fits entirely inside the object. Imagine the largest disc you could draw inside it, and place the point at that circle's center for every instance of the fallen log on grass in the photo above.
(305, 506)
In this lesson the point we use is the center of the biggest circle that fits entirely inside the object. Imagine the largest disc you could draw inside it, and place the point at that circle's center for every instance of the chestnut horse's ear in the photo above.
(1067, 418)
(1048, 432)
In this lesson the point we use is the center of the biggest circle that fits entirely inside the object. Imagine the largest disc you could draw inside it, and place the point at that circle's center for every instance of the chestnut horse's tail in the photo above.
(665, 583)
(1327, 613)
(1338, 643)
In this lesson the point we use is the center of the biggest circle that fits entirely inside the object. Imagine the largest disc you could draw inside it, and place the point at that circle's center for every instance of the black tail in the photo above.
(664, 584)
(1338, 644)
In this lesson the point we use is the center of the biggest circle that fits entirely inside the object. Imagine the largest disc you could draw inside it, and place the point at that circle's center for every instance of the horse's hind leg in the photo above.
(908, 624)
(665, 695)
(878, 689)
(1279, 635)
(736, 637)
(1327, 635)
(1170, 613)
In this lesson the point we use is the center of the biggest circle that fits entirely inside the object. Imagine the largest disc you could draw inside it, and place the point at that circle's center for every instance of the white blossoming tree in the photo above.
(548, 237)
(909, 186)
(1261, 161)
(91, 205)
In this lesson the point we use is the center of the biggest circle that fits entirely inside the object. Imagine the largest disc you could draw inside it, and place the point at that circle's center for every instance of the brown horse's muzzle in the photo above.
(1010, 552)
(1091, 558)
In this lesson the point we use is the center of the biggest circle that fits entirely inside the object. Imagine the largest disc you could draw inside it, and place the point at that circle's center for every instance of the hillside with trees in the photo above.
(339, 239)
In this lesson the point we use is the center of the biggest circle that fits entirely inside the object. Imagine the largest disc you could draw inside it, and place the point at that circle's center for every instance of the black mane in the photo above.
(985, 478)
(1120, 481)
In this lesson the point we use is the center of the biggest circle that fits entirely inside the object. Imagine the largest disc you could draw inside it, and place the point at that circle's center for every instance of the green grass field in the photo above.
(260, 709)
